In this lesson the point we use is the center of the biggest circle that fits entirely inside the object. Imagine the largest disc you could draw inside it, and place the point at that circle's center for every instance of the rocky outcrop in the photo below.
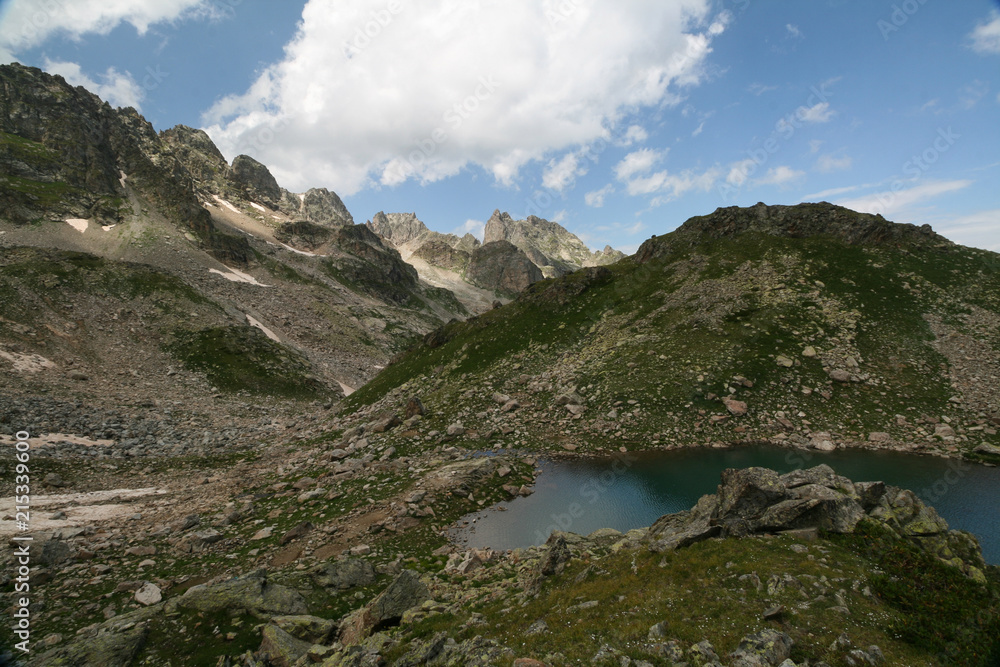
(252, 593)
(318, 205)
(303, 234)
(256, 180)
(370, 266)
(67, 154)
(405, 592)
(502, 267)
(549, 245)
(399, 228)
(759, 500)
(798, 221)
(437, 252)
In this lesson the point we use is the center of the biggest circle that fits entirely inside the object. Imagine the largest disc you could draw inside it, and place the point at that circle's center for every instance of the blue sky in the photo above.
(619, 120)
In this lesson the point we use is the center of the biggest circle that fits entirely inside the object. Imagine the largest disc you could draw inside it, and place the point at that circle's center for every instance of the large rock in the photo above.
(344, 574)
(252, 593)
(405, 592)
(502, 267)
(258, 183)
(758, 500)
(281, 648)
(767, 648)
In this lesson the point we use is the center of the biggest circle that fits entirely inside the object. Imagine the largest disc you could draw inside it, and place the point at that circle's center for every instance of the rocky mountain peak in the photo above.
(398, 228)
(255, 178)
(797, 221)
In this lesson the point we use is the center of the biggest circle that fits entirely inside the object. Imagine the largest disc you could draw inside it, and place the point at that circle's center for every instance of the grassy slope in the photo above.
(671, 333)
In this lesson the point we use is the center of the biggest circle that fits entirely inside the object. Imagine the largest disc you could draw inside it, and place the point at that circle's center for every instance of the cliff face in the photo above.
(501, 266)
(549, 245)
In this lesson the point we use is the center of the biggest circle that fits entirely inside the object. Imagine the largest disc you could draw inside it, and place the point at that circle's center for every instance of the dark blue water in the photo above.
(636, 489)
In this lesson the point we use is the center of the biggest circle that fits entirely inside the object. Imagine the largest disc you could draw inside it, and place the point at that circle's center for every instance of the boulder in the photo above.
(344, 574)
(405, 592)
(767, 648)
(252, 593)
(556, 556)
(281, 648)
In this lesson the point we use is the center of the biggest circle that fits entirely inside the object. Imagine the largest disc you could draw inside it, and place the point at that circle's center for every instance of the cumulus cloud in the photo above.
(29, 23)
(368, 96)
(595, 198)
(116, 88)
(985, 38)
(637, 162)
(561, 174)
(980, 229)
(635, 134)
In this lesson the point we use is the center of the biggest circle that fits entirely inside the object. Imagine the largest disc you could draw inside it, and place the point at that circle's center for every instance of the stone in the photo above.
(555, 557)
(456, 429)
(809, 351)
(735, 408)
(767, 647)
(360, 550)
(281, 648)
(839, 375)
(387, 609)
(414, 407)
(986, 448)
(944, 431)
(784, 361)
(500, 398)
(510, 406)
(252, 593)
(879, 436)
(344, 574)
(502, 267)
(659, 631)
(295, 533)
(703, 654)
(54, 552)
(746, 493)
(53, 479)
(148, 594)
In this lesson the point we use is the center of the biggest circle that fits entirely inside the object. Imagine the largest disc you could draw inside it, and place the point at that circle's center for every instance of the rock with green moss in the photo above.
(252, 593)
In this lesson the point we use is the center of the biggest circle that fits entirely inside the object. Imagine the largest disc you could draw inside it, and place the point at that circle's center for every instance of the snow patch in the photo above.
(238, 276)
(258, 207)
(267, 332)
(27, 363)
(122, 178)
(225, 203)
(347, 390)
(301, 252)
(82, 509)
(79, 224)
(108, 228)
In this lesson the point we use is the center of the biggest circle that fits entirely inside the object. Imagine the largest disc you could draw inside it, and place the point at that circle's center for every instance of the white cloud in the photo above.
(781, 175)
(793, 31)
(595, 198)
(833, 192)
(562, 174)
(638, 162)
(832, 162)
(29, 23)
(818, 113)
(670, 186)
(636, 228)
(698, 130)
(475, 227)
(814, 146)
(985, 38)
(889, 203)
(116, 88)
(635, 134)
(355, 102)
(740, 171)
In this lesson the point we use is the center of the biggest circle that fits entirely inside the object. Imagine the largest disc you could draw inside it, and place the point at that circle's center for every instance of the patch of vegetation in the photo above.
(941, 610)
(236, 358)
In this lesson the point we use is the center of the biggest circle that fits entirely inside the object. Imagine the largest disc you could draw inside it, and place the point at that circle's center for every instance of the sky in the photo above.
(619, 120)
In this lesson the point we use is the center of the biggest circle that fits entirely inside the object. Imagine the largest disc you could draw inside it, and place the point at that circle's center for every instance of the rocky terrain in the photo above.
(748, 325)
(256, 426)
(803, 567)
(514, 254)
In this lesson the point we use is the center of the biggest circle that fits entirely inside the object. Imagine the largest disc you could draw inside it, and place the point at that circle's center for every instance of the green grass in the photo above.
(236, 358)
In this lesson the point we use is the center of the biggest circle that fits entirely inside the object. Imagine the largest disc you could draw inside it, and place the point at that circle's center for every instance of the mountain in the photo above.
(548, 245)
(513, 255)
(808, 325)
(189, 275)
